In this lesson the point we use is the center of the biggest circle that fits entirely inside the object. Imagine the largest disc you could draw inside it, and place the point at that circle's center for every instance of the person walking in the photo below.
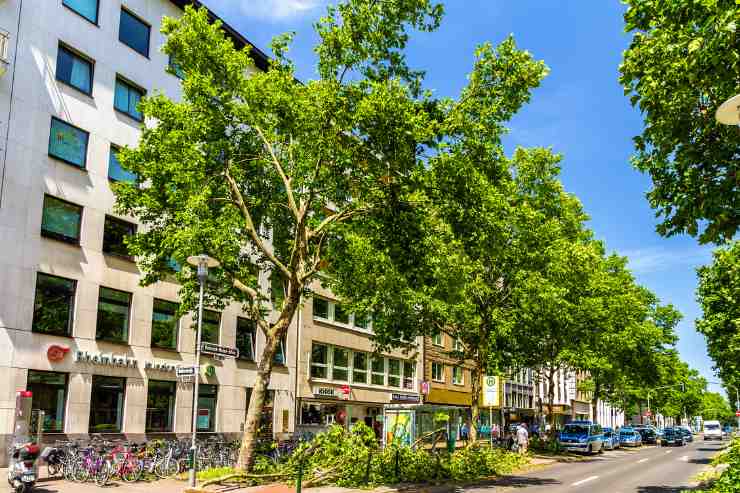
(522, 438)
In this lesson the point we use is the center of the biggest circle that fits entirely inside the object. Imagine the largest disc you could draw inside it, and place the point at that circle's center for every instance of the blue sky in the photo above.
(580, 111)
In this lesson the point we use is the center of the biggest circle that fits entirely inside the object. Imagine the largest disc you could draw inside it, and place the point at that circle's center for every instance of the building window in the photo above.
(175, 68)
(277, 290)
(377, 376)
(359, 368)
(127, 98)
(115, 170)
(86, 8)
(438, 372)
(207, 395)
(457, 345)
(61, 220)
(340, 364)
(115, 232)
(340, 314)
(394, 372)
(438, 339)
(134, 33)
(113, 315)
(361, 321)
(74, 69)
(106, 404)
(160, 406)
(320, 308)
(409, 374)
(279, 357)
(457, 375)
(211, 327)
(49, 394)
(319, 360)
(53, 306)
(68, 143)
(165, 324)
(245, 332)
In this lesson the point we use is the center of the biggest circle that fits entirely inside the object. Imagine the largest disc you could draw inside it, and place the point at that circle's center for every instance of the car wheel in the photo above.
(590, 450)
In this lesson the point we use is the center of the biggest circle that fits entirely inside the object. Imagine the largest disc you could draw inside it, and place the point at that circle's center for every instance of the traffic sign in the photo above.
(648, 413)
(216, 350)
(737, 413)
(185, 371)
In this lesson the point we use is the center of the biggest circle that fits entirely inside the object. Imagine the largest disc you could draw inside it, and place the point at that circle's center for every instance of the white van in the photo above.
(712, 430)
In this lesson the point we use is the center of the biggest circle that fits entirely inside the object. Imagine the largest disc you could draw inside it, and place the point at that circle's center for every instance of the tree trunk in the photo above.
(551, 397)
(475, 385)
(264, 371)
(595, 401)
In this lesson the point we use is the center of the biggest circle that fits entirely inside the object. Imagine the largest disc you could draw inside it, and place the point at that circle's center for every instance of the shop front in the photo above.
(334, 405)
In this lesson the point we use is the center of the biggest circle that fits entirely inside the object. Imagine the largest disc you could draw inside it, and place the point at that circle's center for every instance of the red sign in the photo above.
(56, 353)
(345, 389)
(737, 413)
(648, 413)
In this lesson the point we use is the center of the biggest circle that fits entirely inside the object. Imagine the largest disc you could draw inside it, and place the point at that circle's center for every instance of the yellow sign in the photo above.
(491, 393)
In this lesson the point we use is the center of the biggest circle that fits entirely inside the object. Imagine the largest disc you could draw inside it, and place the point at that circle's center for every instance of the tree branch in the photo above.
(281, 172)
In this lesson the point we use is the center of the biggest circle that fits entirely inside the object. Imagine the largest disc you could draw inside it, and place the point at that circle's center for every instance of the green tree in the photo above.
(715, 406)
(682, 63)
(265, 174)
(719, 296)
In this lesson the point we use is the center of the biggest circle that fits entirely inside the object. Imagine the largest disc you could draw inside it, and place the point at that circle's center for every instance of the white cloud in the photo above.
(657, 259)
(278, 9)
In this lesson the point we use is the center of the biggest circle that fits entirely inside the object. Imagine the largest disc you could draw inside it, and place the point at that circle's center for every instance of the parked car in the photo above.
(648, 433)
(688, 436)
(673, 436)
(628, 437)
(582, 436)
(712, 430)
(611, 439)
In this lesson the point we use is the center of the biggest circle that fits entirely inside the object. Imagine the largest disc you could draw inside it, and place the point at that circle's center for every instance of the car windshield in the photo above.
(711, 427)
(576, 429)
(668, 431)
(627, 433)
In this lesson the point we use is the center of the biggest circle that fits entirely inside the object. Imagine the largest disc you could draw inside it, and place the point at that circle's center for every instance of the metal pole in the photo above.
(193, 448)
(651, 414)
(490, 423)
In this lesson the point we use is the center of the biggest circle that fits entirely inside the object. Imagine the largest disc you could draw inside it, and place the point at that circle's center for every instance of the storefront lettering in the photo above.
(325, 392)
(404, 398)
(120, 360)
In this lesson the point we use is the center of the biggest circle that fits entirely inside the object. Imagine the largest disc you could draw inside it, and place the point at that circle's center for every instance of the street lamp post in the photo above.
(202, 263)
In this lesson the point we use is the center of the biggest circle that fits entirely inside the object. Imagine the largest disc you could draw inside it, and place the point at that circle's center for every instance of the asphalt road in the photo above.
(649, 469)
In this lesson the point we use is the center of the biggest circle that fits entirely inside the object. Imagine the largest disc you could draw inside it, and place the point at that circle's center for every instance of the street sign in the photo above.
(216, 350)
(185, 371)
(737, 413)
(490, 391)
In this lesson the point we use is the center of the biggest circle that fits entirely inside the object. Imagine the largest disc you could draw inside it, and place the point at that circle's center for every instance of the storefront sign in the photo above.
(404, 398)
(329, 392)
(204, 418)
(56, 353)
(120, 360)
(424, 387)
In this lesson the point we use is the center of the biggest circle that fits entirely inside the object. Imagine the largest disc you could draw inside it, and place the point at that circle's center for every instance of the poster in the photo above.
(399, 427)
(204, 418)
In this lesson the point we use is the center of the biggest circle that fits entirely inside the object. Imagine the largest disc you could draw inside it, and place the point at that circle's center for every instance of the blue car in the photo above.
(629, 437)
(582, 436)
(611, 439)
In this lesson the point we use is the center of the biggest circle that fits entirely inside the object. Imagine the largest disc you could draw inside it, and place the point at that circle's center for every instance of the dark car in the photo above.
(687, 435)
(673, 436)
(648, 434)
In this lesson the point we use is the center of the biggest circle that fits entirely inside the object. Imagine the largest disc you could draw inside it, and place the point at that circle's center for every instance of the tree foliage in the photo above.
(682, 63)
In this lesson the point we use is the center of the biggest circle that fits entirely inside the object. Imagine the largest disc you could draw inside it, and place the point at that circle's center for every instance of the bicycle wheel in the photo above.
(102, 475)
(168, 468)
(131, 471)
(81, 472)
(54, 469)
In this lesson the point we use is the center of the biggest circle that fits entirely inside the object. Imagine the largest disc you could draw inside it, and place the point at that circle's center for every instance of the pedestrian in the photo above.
(522, 438)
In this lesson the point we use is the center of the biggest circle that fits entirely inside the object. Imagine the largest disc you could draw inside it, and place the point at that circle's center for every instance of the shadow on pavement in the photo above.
(704, 460)
(666, 489)
(522, 482)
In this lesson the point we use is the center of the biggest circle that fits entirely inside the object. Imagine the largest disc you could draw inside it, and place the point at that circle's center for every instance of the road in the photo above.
(648, 469)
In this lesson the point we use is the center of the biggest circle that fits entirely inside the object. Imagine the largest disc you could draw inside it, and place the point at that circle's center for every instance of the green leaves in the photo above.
(682, 63)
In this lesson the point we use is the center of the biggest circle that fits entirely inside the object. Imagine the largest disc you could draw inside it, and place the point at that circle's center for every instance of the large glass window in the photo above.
(279, 356)
(68, 143)
(340, 364)
(113, 315)
(437, 339)
(207, 395)
(378, 371)
(438, 372)
(320, 308)
(211, 325)
(115, 171)
(49, 394)
(86, 8)
(134, 33)
(457, 375)
(245, 333)
(340, 314)
(126, 99)
(61, 220)
(160, 406)
(394, 372)
(175, 68)
(115, 232)
(277, 290)
(165, 324)
(53, 306)
(359, 368)
(409, 374)
(74, 69)
(106, 404)
(319, 360)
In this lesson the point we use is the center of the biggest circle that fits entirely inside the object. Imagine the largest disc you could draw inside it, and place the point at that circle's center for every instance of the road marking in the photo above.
(578, 483)
(643, 460)
(685, 458)
(668, 451)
